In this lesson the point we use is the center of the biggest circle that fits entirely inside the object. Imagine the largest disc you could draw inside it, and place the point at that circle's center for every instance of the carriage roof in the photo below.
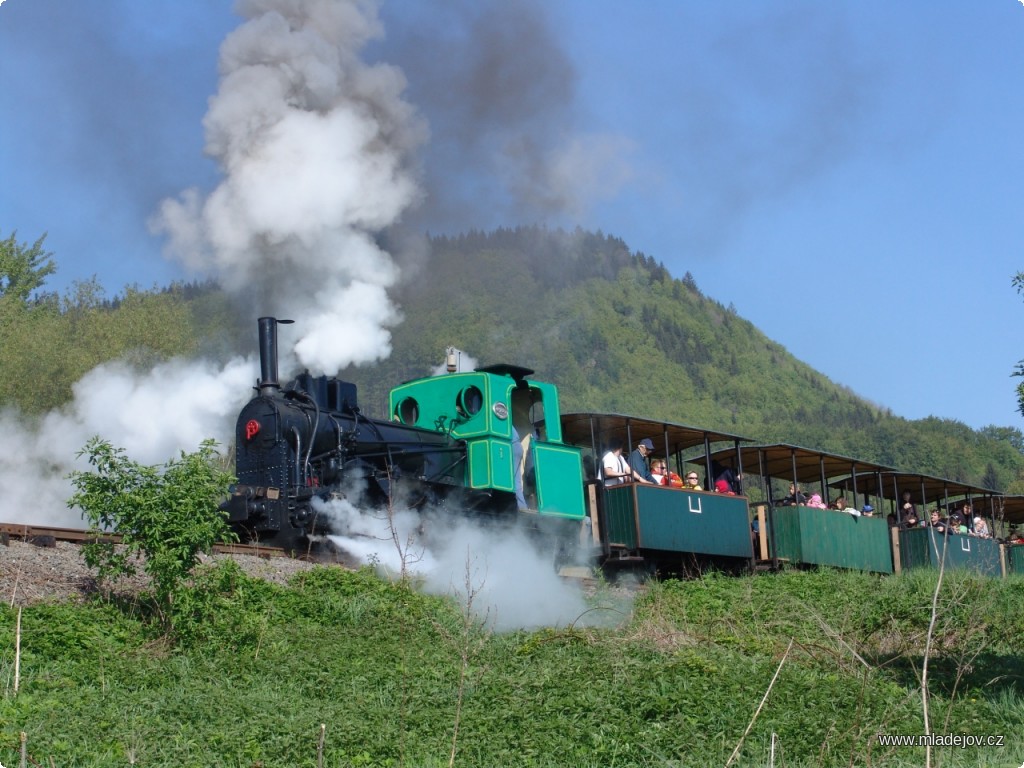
(588, 428)
(782, 460)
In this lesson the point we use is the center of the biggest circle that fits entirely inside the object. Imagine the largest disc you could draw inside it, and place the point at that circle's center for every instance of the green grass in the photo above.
(257, 668)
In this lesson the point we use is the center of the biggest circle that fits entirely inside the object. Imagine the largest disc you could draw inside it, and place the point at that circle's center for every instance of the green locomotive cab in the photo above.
(488, 409)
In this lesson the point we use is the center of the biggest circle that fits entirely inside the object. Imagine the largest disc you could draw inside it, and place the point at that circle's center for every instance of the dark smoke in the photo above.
(500, 94)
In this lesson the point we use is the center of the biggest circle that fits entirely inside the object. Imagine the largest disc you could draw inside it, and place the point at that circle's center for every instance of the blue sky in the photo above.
(848, 175)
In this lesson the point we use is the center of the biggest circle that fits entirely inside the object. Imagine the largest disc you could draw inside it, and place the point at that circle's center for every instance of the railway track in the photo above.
(320, 552)
(48, 536)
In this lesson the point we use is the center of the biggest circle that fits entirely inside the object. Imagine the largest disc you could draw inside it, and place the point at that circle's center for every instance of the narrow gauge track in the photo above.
(48, 536)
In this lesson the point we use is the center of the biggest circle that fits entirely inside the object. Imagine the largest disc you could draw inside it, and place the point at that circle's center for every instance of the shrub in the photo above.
(168, 515)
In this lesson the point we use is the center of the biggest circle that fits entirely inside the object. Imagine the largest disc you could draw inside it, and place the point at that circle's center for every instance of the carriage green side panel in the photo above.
(620, 511)
(837, 539)
(674, 520)
(1015, 559)
(914, 549)
(981, 555)
(784, 522)
(926, 550)
(827, 537)
(559, 475)
(490, 464)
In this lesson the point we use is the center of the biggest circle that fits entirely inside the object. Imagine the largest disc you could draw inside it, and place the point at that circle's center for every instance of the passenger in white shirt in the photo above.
(614, 467)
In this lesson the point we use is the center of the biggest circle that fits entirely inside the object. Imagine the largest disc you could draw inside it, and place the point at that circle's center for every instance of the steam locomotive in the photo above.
(450, 444)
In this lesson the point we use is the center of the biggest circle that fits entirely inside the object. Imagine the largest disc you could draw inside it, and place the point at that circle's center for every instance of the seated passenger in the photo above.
(816, 502)
(966, 513)
(840, 505)
(722, 472)
(692, 482)
(868, 511)
(672, 479)
(794, 498)
(981, 528)
(638, 460)
(722, 486)
(956, 524)
(907, 505)
(937, 522)
(659, 472)
(614, 468)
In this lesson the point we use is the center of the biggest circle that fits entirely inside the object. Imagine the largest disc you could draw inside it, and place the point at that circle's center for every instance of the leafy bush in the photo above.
(168, 516)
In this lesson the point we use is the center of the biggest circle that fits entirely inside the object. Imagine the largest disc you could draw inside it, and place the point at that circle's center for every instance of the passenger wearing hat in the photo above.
(638, 460)
(868, 511)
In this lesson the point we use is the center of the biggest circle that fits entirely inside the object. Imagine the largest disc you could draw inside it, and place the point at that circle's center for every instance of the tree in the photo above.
(168, 516)
(23, 269)
(991, 478)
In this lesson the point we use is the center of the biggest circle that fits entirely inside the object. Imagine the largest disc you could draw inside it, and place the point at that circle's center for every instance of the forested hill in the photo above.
(618, 333)
(611, 327)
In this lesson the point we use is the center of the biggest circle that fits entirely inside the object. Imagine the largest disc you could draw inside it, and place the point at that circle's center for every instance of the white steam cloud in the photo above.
(316, 151)
(513, 583)
(153, 417)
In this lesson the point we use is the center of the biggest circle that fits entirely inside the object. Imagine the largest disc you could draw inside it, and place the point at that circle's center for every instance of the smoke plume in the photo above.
(510, 581)
(153, 416)
(316, 150)
(501, 94)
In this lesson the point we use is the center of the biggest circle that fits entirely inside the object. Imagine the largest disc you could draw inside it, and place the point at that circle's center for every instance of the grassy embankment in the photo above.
(398, 678)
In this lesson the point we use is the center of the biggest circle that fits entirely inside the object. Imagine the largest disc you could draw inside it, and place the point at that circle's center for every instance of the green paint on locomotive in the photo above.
(481, 409)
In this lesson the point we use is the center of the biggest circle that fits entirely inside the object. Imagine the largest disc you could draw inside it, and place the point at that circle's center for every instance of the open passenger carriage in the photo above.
(920, 546)
(804, 535)
(654, 527)
(1010, 509)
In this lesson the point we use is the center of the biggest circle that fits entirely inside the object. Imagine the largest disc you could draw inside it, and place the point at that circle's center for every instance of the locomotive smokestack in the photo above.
(268, 354)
